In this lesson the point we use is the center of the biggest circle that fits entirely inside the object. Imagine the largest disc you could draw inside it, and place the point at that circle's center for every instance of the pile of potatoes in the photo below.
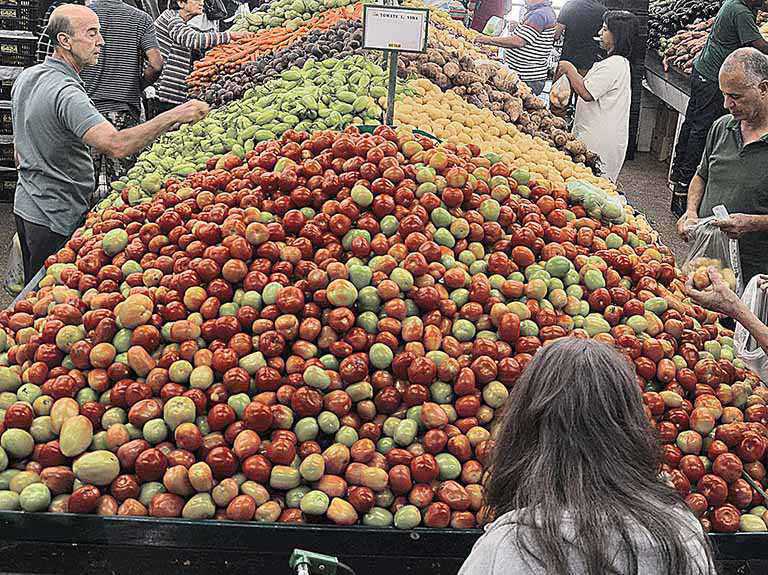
(449, 117)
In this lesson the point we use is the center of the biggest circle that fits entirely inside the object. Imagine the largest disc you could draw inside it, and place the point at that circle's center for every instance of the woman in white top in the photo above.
(605, 93)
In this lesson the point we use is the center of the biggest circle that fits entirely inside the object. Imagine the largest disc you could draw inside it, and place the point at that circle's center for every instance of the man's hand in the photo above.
(241, 35)
(736, 225)
(485, 40)
(685, 224)
(718, 297)
(191, 112)
(762, 282)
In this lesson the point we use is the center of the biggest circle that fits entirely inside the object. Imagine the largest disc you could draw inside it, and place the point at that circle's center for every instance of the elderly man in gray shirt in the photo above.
(54, 123)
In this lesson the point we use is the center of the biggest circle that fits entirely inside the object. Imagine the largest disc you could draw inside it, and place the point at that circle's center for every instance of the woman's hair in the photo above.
(623, 26)
(574, 438)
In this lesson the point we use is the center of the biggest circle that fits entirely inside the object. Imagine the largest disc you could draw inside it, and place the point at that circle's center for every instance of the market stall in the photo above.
(44, 544)
(290, 326)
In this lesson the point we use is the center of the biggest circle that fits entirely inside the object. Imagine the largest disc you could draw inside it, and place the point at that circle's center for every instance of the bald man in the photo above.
(54, 123)
(732, 169)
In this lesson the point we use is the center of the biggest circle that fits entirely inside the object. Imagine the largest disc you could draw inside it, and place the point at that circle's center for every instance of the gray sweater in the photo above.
(497, 551)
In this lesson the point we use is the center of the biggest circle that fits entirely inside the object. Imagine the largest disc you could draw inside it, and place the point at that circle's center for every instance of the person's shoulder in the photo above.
(735, 7)
(497, 551)
(722, 123)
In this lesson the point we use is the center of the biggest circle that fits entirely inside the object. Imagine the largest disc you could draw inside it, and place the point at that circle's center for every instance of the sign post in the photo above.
(394, 29)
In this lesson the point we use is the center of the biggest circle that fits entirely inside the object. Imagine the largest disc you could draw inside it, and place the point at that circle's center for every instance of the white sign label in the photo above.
(395, 28)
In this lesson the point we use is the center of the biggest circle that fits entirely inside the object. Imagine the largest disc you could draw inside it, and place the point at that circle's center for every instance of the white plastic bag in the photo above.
(494, 26)
(744, 344)
(560, 93)
(14, 275)
(712, 248)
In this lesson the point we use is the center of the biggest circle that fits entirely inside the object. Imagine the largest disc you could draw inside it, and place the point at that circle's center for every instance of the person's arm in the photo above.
(739, 224)
(106, 139)
(697, 187)
(720, 298)
(761, 45)
(188, 37)
(513, 41)
(575, 79)
(151, 50)
(154, 67)
(691, 215)
(748, 32)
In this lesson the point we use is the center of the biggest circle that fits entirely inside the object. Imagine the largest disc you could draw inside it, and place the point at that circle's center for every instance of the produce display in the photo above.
(325, 329)
(228, 58)
(681, 49)
(488, 84)
(668, 17)
(278, 318)
(678, 30)
(450, 117)
(316, 96)
(342, 40)
(290, 14)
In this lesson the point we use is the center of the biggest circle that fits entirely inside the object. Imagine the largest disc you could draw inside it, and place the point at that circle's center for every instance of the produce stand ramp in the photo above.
(83, 544)
(672, 87)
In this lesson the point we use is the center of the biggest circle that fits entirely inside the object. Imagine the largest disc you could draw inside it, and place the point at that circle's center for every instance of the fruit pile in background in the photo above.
(450, 117)
(681, 50)
(226, 59)
(342, 40)
(668, 17)
(319, 95)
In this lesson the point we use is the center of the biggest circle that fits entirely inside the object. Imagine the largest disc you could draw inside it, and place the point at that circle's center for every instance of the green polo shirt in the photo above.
(734, 27)
(736, 177)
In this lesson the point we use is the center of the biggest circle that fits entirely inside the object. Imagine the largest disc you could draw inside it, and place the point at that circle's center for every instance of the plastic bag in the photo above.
(14, 275)
(560, 93)
(744, 344)
(598, 204)
(711, 247)
(494, 26)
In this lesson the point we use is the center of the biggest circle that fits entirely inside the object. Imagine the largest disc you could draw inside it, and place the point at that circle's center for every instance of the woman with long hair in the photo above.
(605, 93)
(574, 484)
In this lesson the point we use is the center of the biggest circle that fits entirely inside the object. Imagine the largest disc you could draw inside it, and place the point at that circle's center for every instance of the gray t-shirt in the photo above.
(499, 550)
(51, 114)
(114, 83)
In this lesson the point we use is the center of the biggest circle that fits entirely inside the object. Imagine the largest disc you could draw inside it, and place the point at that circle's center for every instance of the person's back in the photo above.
(498, 552)
(114, 84)
(735, 27)
(55, 171)
(582, 20)
(531, 61)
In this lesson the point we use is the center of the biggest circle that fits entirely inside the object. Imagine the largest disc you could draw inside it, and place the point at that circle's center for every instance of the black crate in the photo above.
(20, 15)
(17, 51)
(6, 126)
(8, 181)
(7, 159)
(5, 88)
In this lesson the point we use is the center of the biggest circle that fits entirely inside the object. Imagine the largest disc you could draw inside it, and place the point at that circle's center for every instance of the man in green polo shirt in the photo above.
(735, 27)
(733, 170)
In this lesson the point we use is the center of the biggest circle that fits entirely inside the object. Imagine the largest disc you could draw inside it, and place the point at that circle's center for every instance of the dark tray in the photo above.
(6, 120)
(678, 79)
(17, 51)
(84, 544)
(8, 180)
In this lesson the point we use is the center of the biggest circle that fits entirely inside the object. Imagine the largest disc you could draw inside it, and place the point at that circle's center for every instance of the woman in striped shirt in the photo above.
(177, 41)
(528, 49)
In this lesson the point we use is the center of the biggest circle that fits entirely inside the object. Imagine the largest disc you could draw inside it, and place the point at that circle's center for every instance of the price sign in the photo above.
(395, 28)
